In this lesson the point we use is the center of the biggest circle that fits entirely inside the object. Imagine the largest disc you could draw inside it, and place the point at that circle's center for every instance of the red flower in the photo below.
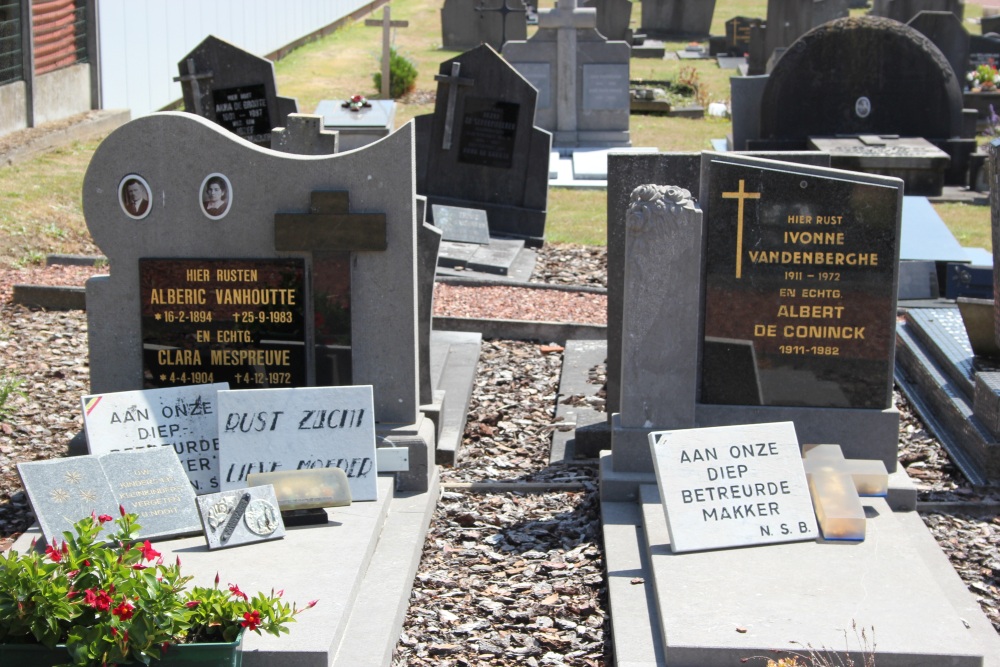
(54, 554)
(121, 510)
(124, 610)
(138, 566)
(251, 620)
(99, 600)
(192, 604)
(104, 518)
(148, 552)
(311, 604)
(235, 591)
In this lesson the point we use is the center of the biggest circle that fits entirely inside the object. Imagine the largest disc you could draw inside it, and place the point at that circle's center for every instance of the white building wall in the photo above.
(141, 41)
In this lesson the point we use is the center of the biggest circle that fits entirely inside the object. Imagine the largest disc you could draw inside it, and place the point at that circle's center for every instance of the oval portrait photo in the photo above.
(216, 195)
(135, 196)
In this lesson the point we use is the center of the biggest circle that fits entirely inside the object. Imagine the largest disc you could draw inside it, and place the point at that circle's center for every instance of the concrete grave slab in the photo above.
(357, 128)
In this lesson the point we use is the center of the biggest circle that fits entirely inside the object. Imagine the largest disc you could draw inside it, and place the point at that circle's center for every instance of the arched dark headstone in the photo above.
(861, 75)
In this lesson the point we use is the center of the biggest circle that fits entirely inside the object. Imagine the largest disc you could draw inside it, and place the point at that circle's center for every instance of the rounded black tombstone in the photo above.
(861, 75)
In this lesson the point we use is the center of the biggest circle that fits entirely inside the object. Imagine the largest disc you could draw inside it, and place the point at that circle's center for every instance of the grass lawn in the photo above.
(40, 210)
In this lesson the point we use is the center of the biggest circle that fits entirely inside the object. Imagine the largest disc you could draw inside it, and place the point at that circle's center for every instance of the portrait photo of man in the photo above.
(135, 196)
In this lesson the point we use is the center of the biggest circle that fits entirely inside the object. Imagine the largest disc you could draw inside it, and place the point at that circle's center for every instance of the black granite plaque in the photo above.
(243, 111)
(803, 267)
(738, 34)
(240, 321)
(489, 129)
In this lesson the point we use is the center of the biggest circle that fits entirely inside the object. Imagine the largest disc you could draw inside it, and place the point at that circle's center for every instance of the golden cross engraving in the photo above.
(740, 195)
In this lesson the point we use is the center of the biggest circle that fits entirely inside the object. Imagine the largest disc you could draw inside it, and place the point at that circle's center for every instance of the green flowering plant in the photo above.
(984, 77)
(118, 602)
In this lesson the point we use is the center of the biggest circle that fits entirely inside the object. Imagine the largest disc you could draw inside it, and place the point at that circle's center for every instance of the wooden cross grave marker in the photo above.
(387, 24)
(194, 77)
(454, 81)
(836, 483)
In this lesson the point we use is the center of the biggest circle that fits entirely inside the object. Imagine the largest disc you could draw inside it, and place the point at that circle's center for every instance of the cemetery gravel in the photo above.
(507, 577)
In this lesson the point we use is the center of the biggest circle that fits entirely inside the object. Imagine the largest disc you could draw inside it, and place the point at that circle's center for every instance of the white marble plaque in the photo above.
(183, 418)
(733, 486)
(277, 430)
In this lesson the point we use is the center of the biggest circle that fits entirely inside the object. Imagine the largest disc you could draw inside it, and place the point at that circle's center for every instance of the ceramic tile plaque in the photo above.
(240, 321)
(241, 516)
(733, 486)
(801, 264)
(182, 418)
(279, 430)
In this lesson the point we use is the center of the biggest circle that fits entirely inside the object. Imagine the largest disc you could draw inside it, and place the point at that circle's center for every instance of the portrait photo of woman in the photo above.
(216, 195)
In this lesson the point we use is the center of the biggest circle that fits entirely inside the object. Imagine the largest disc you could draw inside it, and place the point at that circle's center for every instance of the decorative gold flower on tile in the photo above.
(59, 495)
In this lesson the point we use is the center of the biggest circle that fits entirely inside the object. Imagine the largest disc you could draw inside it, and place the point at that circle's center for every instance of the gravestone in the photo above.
(480, 148)
(613, 18)
(582, 78)
(182, 418)
(357, 127)
(674, 18)
(787, 20)
(947, 33)
(233, 88)
(738, 34)
(864, 91)
(147, 482)
(904, 10)
(796, 314)
(310, 281)
(465, 24)
(983, 50)
(502, 21)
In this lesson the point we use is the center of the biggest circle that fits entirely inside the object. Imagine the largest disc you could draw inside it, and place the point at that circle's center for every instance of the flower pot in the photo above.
(189, 655)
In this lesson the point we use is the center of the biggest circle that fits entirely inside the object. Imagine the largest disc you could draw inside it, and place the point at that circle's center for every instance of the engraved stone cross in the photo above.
(741, 195)
(387, 24)
(329, 226)
(454, 81)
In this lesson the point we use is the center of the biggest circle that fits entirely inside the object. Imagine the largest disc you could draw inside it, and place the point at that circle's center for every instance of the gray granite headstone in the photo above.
(502, 21)
(316, 213)
(561, 57)
(947, 33)
(787, 20)
(461, 225)
(460, 25)
(480, 148)
(673, 18)
(242, 516)
(233, 88)
(182, 418)
(147, 482)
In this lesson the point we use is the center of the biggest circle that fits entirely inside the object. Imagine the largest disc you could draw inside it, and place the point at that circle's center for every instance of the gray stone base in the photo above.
(454, 356)
(716, 608)
(868, 434)
(359, 565)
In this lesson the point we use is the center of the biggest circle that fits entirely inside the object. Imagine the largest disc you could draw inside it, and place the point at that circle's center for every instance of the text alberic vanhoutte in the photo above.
(224, 311)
